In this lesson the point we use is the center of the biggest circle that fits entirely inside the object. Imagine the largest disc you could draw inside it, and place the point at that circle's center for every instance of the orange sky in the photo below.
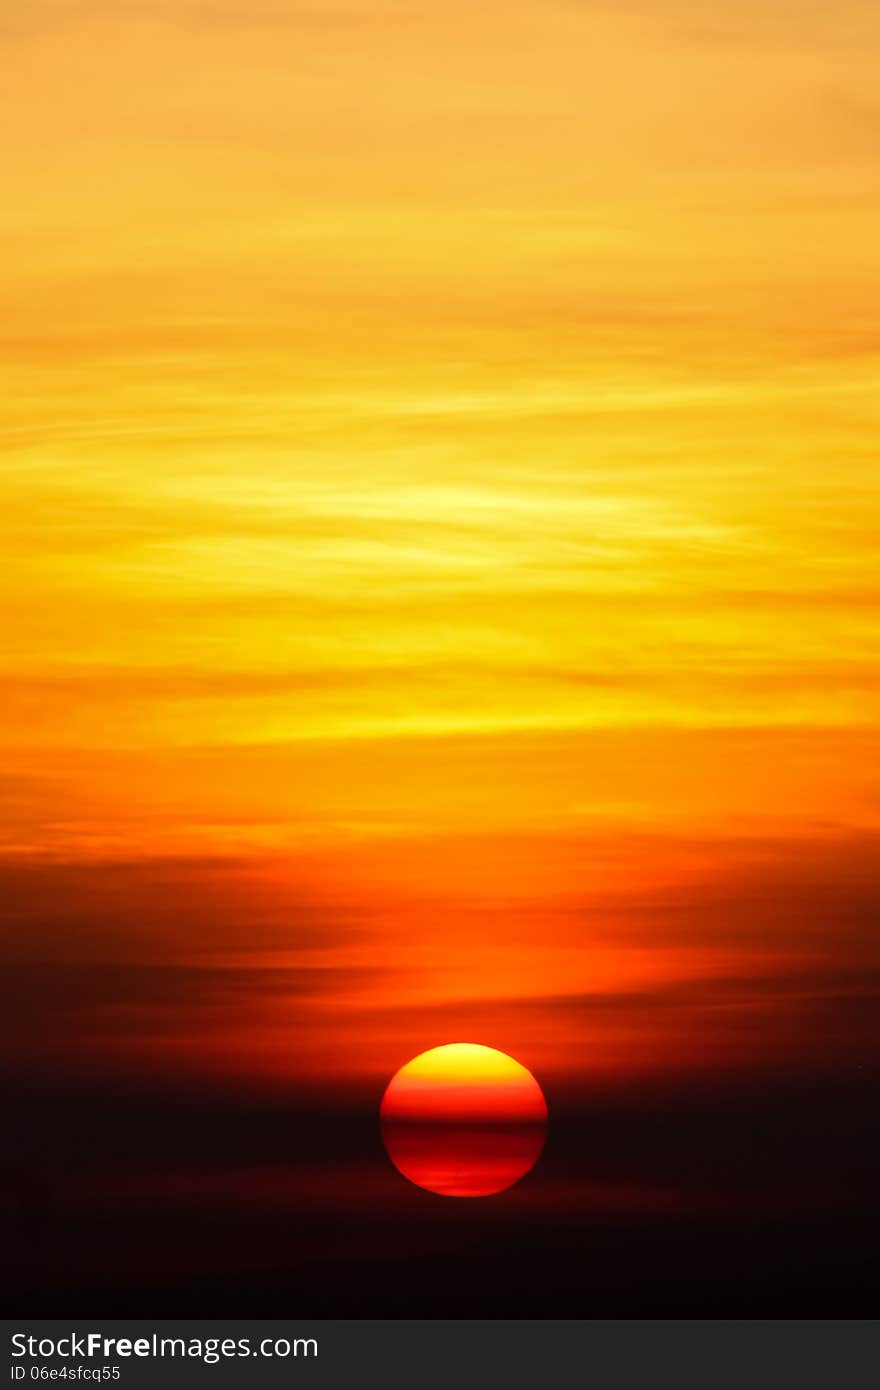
(440, 506)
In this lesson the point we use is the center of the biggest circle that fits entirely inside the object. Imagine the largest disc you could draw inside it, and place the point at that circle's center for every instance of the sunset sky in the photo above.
(440, 503)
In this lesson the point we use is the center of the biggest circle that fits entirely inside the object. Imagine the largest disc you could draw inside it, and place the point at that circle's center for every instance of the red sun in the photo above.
(463, 1120)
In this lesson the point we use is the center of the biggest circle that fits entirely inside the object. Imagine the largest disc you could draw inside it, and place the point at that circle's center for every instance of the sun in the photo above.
(463, 1120)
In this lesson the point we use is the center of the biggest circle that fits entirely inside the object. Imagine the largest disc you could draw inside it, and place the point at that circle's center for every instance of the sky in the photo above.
(440, 503)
